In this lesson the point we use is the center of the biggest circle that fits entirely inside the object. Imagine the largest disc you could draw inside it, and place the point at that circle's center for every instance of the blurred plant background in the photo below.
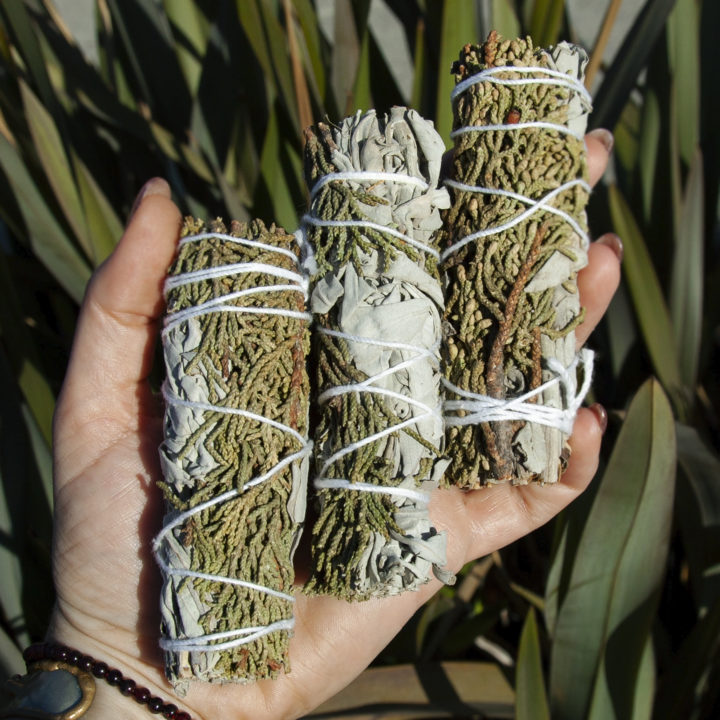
(610, 611)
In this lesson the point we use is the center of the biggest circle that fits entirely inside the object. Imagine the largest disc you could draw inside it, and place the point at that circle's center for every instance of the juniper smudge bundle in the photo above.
(377, 304)
(513, 241)
(235, 451)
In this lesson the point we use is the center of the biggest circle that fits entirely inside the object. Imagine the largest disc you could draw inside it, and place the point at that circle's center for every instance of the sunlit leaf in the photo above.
(645, 686)
(546, 21)
(604, 621)
(388, 33)
(419, 83)
(686, 293)
(627, 136)
(47, 239)
(684, 55)
(277, 176)
(278, 48)
(650, 307)
(648, 151)
(104, 226)
(361, 95)
(308, 22)
(531, 700)
(629, 62)
(504, 19)
(17, 17)
(346, 55)
(554, 578)
(191, 25)
(58, 170)
(302, 94)
(458, 28)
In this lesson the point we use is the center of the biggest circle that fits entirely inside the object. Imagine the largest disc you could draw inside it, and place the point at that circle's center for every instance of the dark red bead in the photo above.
(34, 652)
(74, 657)
(155, 704)
(59, 653)
(141, 694)
(126, 686)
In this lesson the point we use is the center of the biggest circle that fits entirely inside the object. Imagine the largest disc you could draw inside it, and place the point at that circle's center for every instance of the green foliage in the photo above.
(214, 96)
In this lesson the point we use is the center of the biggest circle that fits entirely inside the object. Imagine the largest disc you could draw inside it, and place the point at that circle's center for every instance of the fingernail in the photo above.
(603, 136)
(601, 416)
(612, 241)
(154, 186)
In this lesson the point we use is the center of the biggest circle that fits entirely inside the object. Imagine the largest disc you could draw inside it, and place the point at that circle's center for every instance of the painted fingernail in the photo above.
(614, 243)
(603, 136)
(601, 415)
(154, 186)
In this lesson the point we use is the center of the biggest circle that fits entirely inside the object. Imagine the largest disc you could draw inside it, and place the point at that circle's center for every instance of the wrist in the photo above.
(109, 703)
(65, 683)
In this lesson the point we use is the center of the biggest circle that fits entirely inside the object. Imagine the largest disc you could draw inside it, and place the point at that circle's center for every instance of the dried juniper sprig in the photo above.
(513, 242)
(377, 304)
(235, 452)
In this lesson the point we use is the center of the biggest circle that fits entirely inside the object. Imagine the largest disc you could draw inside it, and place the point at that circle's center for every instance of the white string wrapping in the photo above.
(553, 77)
(543, 204)
(367, 385)
(541, 124)
(312, 220)
(339, 484)
(367, 176)
(482, 408)
(478, 408)
(299, 283)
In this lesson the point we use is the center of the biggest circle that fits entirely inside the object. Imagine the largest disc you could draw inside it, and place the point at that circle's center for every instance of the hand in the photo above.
(108, 426)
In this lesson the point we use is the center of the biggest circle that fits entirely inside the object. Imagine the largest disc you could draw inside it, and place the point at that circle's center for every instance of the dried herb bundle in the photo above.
(377, 304)
(513, 242)
(235, 452)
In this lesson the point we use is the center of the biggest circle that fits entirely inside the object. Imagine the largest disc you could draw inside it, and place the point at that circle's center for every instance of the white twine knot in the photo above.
(478, 408)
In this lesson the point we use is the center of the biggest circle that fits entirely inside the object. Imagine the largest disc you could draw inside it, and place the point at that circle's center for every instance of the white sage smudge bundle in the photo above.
(235, 454)
(377, 303)
(514, 240)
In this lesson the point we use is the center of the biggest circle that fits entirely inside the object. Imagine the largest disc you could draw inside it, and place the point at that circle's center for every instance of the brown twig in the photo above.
(601, 42)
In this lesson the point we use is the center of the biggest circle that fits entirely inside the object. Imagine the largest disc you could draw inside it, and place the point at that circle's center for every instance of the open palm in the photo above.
(108, 427)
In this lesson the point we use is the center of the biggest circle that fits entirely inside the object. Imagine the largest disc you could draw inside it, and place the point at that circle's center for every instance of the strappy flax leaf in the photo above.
(629, 62)
(650, 307)
(605, 619)
(546, 21)
(531, 700)
(46, 237)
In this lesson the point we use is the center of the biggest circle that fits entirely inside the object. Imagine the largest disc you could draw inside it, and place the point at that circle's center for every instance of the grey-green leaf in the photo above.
(47, 238)
(686, 293)
(530, 698)
(605, 618)
(648, 300)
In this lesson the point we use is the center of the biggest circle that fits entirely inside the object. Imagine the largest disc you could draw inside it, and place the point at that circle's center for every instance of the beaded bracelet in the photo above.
(60, 653)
